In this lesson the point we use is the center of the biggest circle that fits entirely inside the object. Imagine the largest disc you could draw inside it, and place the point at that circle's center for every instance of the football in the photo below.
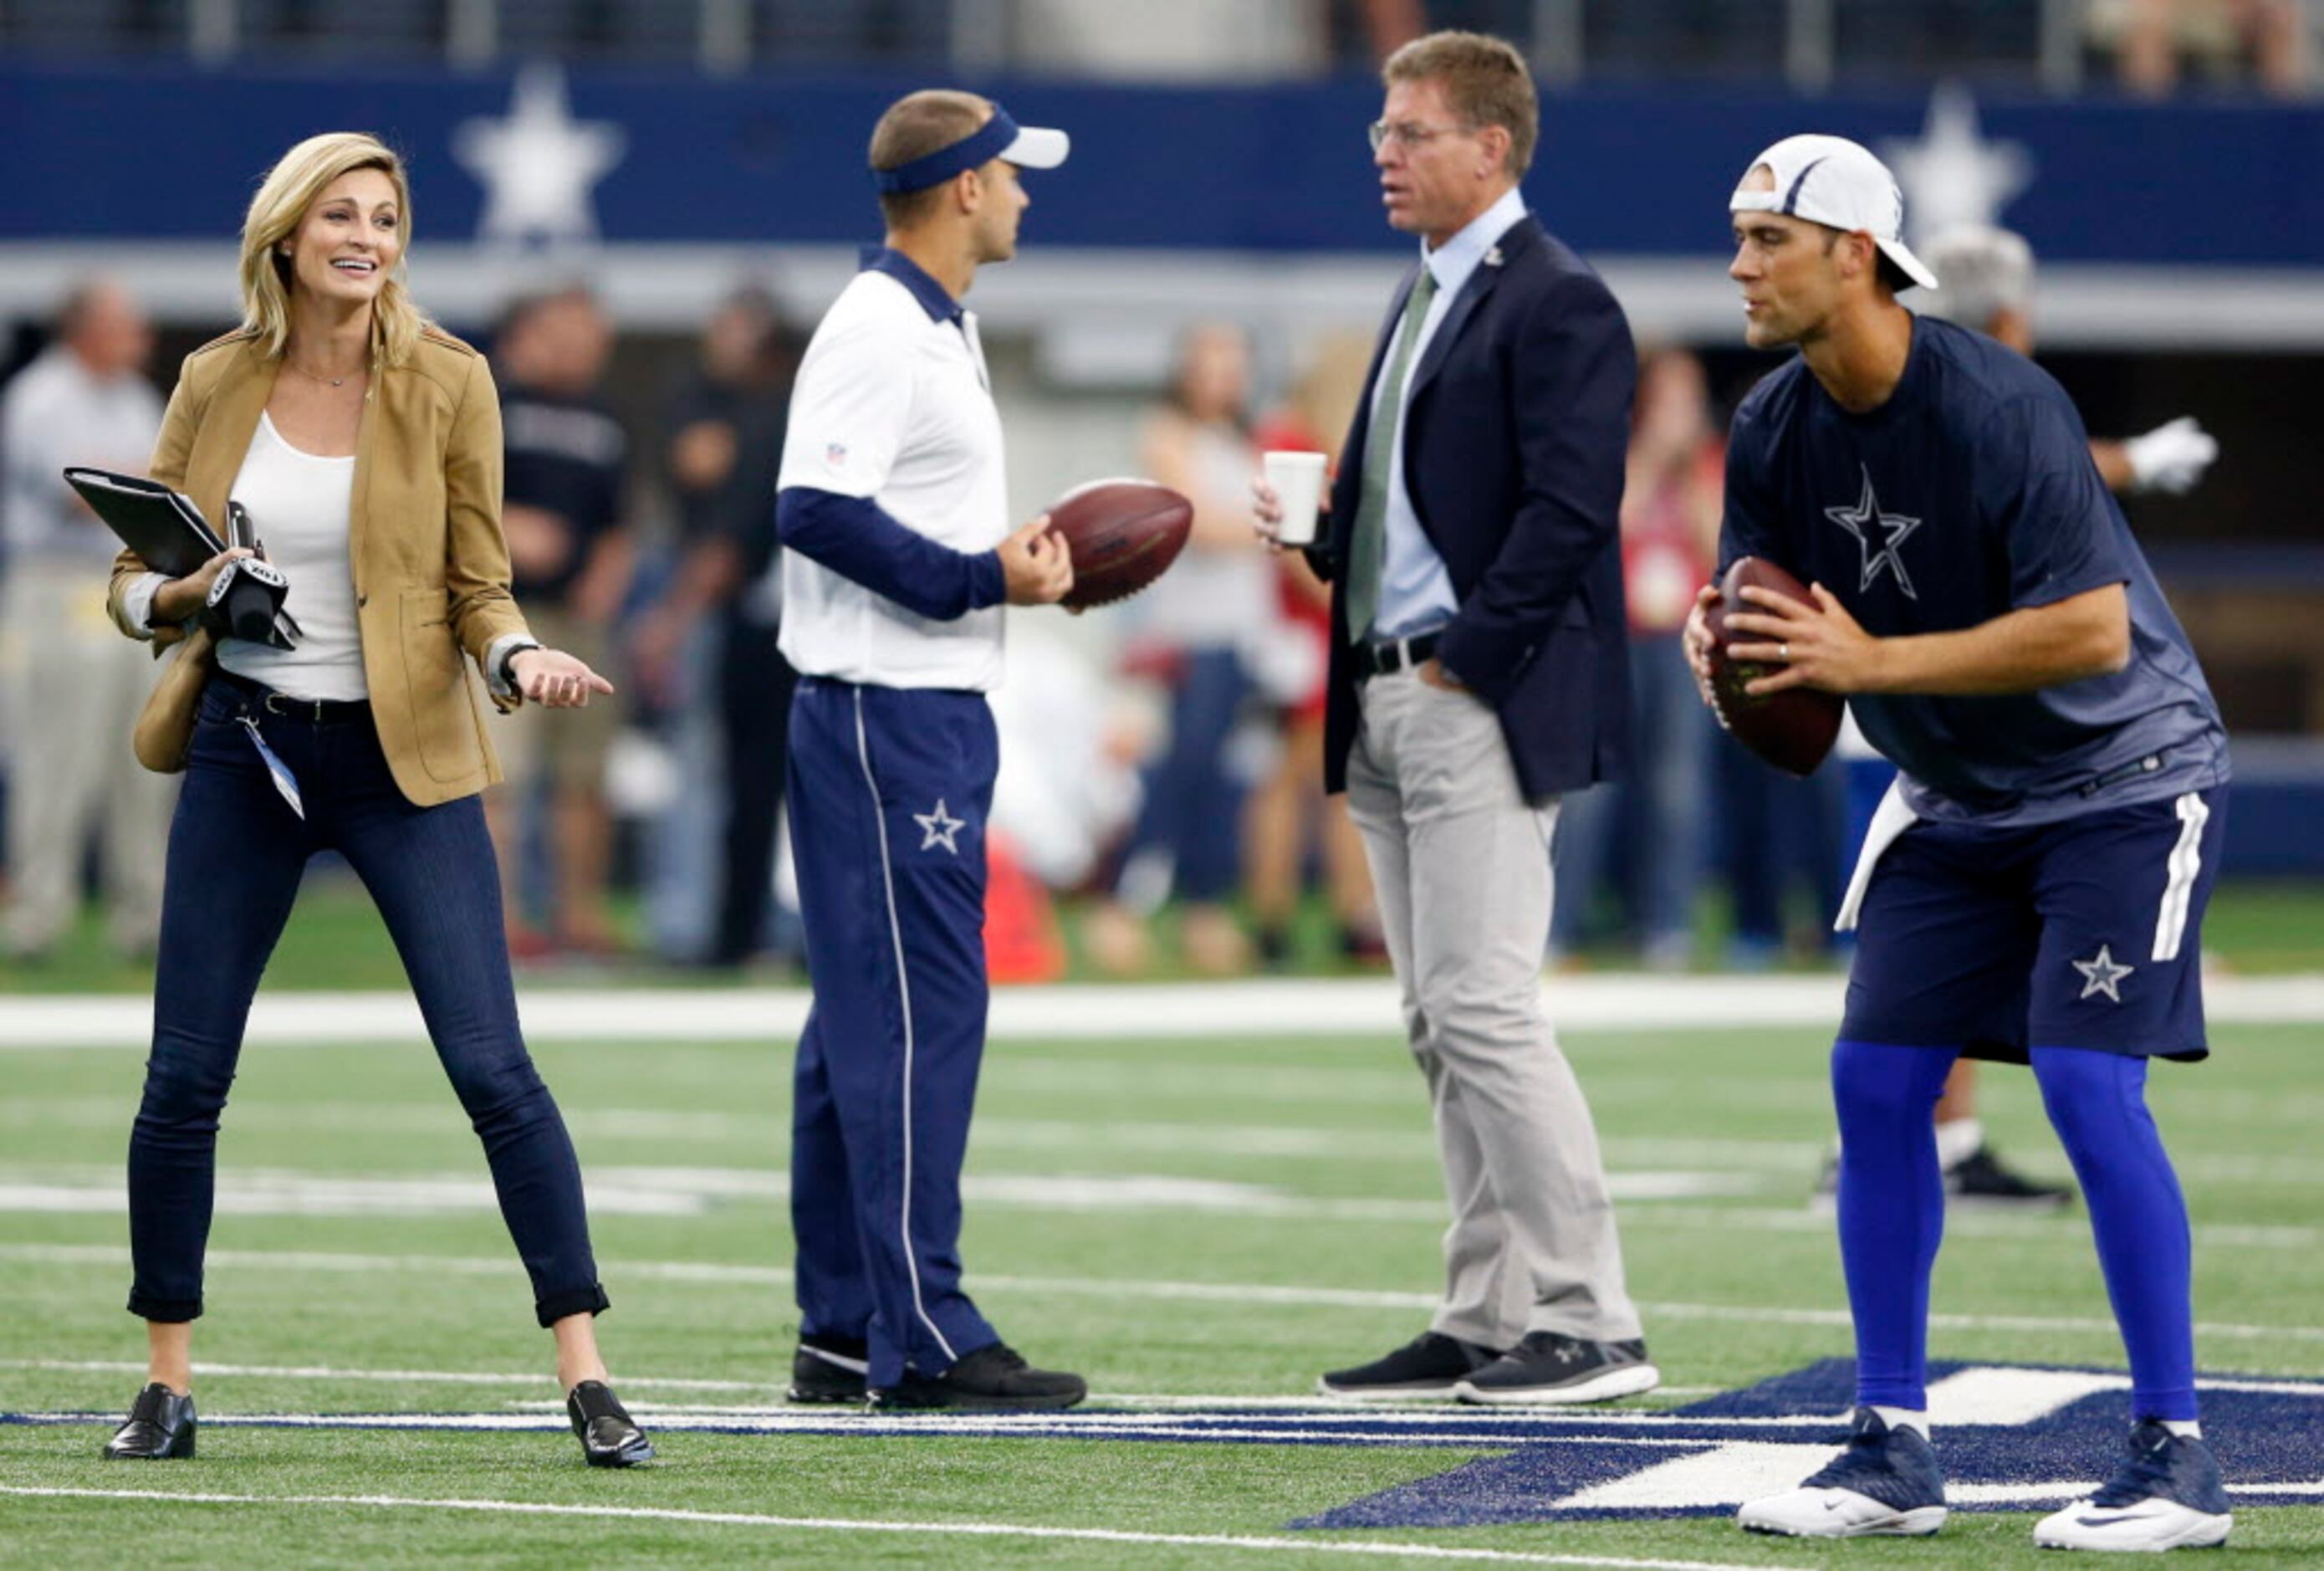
(1123, 534)
(1793, 729)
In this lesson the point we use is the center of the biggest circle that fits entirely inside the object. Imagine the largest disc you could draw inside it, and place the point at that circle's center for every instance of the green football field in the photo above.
(1200, 1218)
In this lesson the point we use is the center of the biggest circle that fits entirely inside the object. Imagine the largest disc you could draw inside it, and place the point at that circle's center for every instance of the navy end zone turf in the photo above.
(1768, 1436)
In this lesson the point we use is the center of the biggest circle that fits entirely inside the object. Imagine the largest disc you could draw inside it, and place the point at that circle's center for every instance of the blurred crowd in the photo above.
(1159, 807)
(2149, 47)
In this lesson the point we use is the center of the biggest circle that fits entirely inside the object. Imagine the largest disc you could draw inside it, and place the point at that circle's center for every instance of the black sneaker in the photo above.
(1979, 1179)
(1549, 1366)
(829, 1369)
(995, 1379)
(1423, 1370)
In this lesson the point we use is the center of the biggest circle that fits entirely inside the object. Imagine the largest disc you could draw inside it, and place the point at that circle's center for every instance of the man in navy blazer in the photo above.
(1478, 670)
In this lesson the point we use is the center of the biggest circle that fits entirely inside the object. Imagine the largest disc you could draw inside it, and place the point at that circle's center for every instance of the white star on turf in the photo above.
(2101, 974)
(1894, 528)
(940, 827)
(1951, 174)
(537, 166)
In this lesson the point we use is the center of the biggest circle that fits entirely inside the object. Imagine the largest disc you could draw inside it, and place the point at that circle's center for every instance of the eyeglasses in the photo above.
(1408, 135)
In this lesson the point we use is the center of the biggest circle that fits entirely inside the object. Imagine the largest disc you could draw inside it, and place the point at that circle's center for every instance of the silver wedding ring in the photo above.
(1783, 652)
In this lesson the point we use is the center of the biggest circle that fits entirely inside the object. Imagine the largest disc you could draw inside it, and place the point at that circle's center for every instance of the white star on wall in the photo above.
(1952, 175)
(537, 166)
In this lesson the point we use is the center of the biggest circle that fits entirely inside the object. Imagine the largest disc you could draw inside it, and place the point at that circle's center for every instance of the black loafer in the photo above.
(994, 1379)
(610, 1438)
(161, 1426)
(829, 1369)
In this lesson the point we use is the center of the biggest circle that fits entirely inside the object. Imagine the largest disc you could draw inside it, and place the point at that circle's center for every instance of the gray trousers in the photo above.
(75, 687)
(1461, 864)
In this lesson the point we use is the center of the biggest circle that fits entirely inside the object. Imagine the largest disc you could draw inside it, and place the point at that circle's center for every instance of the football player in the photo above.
(2034, 885)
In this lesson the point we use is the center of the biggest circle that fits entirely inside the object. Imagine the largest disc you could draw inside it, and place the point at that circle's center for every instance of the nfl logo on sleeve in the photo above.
(836, 455)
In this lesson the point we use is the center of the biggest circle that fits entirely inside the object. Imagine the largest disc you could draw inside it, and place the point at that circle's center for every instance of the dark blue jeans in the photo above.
(1193, 802)
(236, 854)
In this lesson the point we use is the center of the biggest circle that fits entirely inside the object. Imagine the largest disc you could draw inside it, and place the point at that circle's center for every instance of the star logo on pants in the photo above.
(939, 827)
(1893, 527)
(2101, 974)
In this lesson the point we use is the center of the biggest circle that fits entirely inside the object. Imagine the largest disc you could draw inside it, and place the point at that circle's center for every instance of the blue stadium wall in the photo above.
(137, 152)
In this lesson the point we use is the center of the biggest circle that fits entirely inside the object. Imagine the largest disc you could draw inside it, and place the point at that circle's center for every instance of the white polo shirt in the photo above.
(892, 403)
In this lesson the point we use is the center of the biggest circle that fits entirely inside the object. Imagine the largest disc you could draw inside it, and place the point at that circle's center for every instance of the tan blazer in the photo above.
(431, 567)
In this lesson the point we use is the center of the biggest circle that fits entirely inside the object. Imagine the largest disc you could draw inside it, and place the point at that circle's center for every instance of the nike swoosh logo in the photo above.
(2115, 1520)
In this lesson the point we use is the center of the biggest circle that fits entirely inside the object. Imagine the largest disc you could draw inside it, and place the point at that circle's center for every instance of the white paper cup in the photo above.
(1298, 481)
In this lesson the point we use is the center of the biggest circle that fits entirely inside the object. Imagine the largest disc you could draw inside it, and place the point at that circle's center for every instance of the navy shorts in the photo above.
(2085, 933)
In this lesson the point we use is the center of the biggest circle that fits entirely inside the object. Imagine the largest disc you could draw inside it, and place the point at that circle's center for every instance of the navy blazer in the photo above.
(1517, 431)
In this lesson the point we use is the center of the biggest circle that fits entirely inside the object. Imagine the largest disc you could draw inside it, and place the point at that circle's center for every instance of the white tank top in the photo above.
(301, 505)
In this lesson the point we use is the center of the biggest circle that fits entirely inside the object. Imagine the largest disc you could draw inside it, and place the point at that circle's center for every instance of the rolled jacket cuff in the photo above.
(137, 601)
(166, 1311)
(588, 1300)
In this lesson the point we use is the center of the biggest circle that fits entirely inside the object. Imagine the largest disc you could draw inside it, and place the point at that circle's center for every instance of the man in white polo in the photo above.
(893, 507)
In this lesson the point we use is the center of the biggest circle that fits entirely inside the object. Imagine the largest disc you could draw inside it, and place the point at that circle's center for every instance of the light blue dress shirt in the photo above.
(1415, 591)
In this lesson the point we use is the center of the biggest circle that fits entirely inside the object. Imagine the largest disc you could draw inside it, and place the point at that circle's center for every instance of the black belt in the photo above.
(1378, 659)
(314, 711)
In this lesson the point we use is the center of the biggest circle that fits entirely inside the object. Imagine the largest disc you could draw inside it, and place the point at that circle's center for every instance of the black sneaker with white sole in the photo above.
(1425, 1369)
(2166, 1495)
(1887, 1484)
(993, 1379)
(1549, 1366)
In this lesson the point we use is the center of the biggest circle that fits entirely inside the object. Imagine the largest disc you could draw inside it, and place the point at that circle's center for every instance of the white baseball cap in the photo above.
(1838, 183)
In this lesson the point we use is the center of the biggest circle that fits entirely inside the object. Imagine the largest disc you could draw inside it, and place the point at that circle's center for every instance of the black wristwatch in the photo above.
(508, 662)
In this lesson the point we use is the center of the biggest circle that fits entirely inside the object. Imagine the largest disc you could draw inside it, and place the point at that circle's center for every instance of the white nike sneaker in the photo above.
(2167, 1496)
(1886, 1485)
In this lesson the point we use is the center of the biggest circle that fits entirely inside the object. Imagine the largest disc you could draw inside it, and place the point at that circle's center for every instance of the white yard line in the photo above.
(64, 1188)
(112, 1256)
(1224, 1404)
(1364, 1547)
(385, 1376)
(1513, 1431)
(1284, 1142)
(1228, 1011)
(1651, 1200)
(1107, 1406)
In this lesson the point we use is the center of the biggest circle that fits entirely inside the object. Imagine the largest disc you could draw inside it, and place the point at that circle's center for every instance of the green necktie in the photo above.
(1368, 545)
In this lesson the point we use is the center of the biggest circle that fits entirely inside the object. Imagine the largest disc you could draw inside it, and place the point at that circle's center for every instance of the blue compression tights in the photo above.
(1892, 1213)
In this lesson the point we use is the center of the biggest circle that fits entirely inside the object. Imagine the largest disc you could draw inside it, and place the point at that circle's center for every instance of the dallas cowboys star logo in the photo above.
(940, 827)
(1952, 173)
(2101, 974)
(1894, 528)
(539, 164)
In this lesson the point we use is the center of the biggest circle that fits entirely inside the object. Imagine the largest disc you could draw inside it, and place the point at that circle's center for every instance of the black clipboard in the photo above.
(166, 530)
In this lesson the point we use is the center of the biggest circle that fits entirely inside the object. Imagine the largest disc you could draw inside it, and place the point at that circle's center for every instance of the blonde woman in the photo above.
(365, 445)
